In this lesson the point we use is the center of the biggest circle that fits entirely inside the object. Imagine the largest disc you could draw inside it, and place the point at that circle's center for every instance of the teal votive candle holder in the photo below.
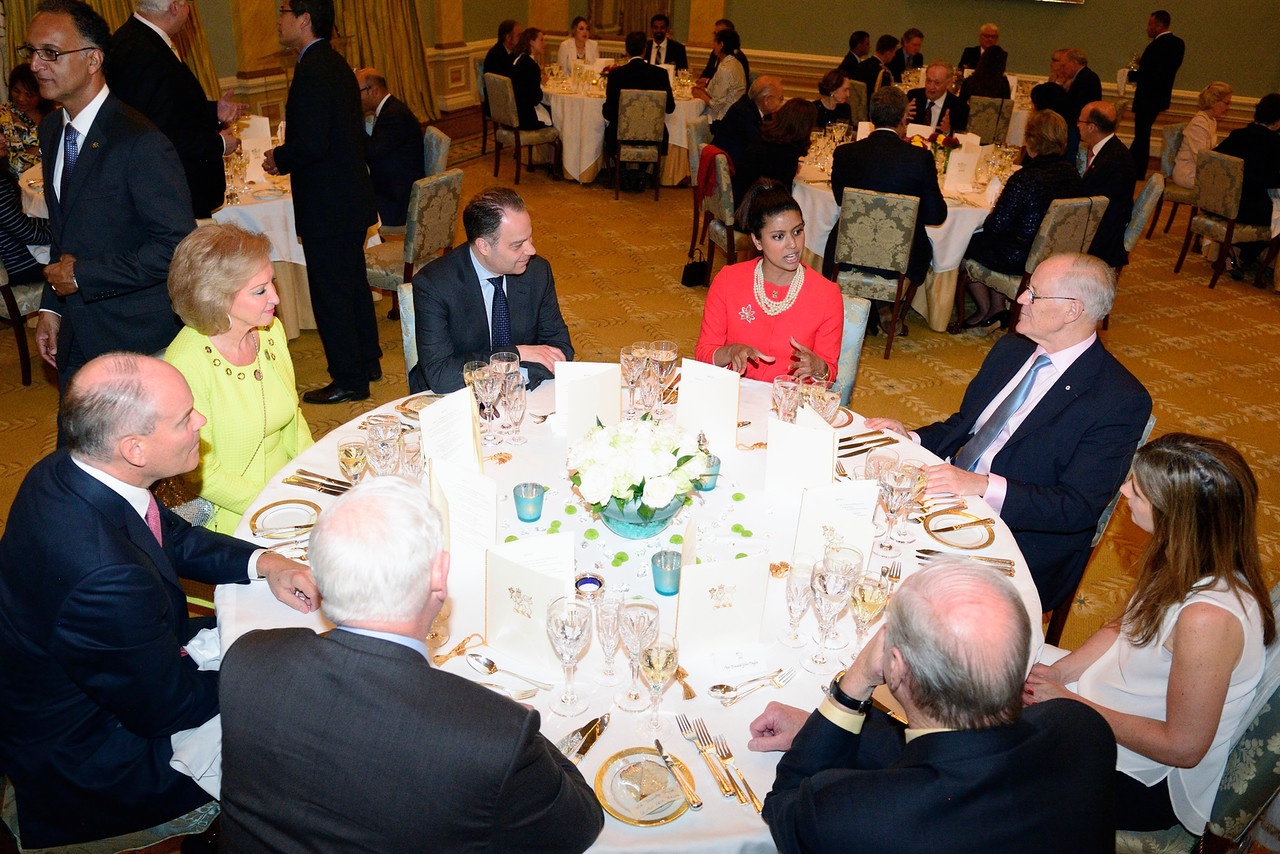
(707, 481)
(666, 573)
(528, 497)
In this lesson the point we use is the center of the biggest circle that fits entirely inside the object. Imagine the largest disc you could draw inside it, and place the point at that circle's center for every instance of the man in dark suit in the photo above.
(661, 49)
(873, 71)
(973, 771)
(934, 105)
(636, 74)
(1258, 145)
(94, 679)
(114, 225)
(332, 198)
(1153, 85)
(1052, 94)
(393, 149)
(908, 55)
(886, 163)
(742, 122)
(498, 59)
(1082, 88)
(713, 62)
(426, 760)
(988, 36)
(1108, 172)
(1047, 456)
(859, 47)
(493, 293)
(144, 71)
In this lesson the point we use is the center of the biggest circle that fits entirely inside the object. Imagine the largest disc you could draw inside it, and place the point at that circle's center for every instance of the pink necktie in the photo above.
(1088, 159)
(153, 520)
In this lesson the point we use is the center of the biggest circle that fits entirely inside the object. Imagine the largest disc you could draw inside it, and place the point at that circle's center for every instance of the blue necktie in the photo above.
(976, 446)
(70, 152)
(500, 324)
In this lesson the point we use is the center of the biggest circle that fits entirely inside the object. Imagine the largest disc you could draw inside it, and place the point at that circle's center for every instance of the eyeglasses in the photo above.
(365, 88)
(1032, 296)
(286, 10)
(48, 54)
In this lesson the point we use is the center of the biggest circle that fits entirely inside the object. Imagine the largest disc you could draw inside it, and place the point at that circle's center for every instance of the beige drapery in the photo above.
(385, 34)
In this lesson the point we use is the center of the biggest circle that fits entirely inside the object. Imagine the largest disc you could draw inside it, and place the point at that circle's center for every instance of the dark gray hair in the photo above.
(888, 106)
(88, 23)
(95, 416)
(482, 217)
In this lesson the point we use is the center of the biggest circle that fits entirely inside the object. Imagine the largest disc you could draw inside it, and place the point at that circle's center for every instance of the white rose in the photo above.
(659, 491)
(596, 485)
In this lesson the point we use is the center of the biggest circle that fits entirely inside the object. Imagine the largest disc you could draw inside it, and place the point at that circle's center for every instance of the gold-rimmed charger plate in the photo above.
(844, 417)
(975, 537)
(412, 406)
(614, 765)
(286, 514)
(266, 194)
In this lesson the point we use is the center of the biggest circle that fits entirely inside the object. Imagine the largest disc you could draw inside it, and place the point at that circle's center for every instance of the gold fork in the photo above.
(840, 470)
(726, 756)
(708, 747)
(895, 574)
(691, 736)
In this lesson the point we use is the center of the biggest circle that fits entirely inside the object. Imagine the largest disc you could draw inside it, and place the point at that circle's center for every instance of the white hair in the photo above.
(371, 552)
(151, 7)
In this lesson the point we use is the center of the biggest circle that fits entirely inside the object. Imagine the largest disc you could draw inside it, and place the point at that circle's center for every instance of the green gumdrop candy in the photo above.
(511, 538)
(569, 510)
(590, 534)
(738, 496)
(739, 555)
(676, 539)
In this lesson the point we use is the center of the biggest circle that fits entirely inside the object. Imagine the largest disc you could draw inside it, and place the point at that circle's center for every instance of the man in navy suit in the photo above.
(973, 772)
(934, 105)
(1083, 87)
(908, 56)
(636, 74)
(492, 293)
(1153, 85)
(498, 59)
(742, 121)
(114, 225)
(988, 36)
(662, 49)
(393, 149)
(1050, 466)
(144, 70)
(94, 679)
(1108, 172)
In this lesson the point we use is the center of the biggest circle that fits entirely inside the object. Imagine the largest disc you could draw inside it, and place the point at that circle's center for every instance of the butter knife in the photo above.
(855, 450)
(857, 437)
(294, 480)
(998, 561)
(695, 802)
(973, 523)
(597, 728)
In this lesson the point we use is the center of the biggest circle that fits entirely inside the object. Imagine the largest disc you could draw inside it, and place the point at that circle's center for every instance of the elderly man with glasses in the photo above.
(1047, 428)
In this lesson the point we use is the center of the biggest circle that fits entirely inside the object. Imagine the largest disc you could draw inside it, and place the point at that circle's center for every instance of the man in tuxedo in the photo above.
(1047, 428)
(352, 741)
(873, 71)
(393, 149)
(94, 680)
(908, 56)
(859, 47)
(1153, 85)
(492, 293)
(498, 59)
(144, 70)
(662, 49)
(1082, 88)
(114, 225)
(934, 105)
(713, 62)
(988, 36)
(332, 198)
(636, 74)
(886, 163)
(1108, 172)
(972, 767)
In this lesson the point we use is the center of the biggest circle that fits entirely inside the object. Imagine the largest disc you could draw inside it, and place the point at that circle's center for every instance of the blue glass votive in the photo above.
(528, 497)
(707, 481)
(666, 573)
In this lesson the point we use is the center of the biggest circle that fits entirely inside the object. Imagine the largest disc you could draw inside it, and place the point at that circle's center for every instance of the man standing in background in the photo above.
(1153, 85)
(393, 149)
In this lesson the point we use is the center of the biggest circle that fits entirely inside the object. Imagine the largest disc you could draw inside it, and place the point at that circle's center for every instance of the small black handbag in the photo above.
(695, 271)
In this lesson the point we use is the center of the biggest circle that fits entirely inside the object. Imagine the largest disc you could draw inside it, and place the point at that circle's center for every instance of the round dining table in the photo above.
(738, 516)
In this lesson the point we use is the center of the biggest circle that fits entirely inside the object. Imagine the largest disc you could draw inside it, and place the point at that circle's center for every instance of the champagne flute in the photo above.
(506, 363)
(514, 403)
(799, 597)
(569, 629)
(896, 490)
(658, 664)
(353, 459)
(633, 359)
(638, 626)
(608, 617)
(487, 385)
(830, 588)
(663, 355)
(469, 371)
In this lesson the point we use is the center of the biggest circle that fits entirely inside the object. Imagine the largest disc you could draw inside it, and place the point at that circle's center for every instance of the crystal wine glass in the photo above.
(848, 561)
(902, 533)
(658, 662)
(897, 487)
(663, 355)
(507, 364)
(514, 403)
(608, 617)
(633, 359)
(487, 385)
(382, 442)
(867, 600)
(786, 398)
(638, 626)
(830, 588)
(353, 459)
(411, 460)
(799, 597)
(569, 628)
(877, 462)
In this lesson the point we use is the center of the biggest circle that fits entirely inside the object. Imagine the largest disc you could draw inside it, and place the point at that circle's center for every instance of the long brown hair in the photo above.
(1204, 511)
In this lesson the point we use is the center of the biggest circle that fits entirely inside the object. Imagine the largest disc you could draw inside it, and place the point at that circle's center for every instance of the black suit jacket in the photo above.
(898, 65)
(636, 74)
(453, 328)
(1112, 175)
(1085, 89)
(394, 154)
(1156, 69)
(951, 105)
(145, 74)
(869, 73)
(1064, 463)
(739, 126)
(885, 163)
(323, 150)
(969, 57)
(526, 85)
(125, 208)
(426, 760)
(676, 54)
(497, 60)
(1259, 148)
(92, 682)
(1042, 784)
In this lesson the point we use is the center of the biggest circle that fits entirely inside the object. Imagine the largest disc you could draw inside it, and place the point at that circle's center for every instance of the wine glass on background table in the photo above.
(799, 598)
(638, 627)
(569, 629)
(830, 587)
(353, 459)
(663, 356)
(658, 661)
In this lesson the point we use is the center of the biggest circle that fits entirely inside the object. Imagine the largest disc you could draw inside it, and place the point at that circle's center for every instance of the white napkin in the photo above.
(923, 131)
(198, 754)
(205, 649)
(993, 192)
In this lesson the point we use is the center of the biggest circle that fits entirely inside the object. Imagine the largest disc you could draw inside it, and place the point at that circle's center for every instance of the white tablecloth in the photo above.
(723, 826)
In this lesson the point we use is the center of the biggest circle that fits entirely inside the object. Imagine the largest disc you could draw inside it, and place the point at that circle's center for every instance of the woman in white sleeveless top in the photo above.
(1176, 673)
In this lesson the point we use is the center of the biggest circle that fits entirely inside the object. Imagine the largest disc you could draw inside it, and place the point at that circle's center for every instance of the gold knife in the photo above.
(970, 524)
(856, 450)
(695, 802)
(851, 439)
(343, 484)
(595, 729)
(294, 480)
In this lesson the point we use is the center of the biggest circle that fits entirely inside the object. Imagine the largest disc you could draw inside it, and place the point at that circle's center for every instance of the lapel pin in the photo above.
(96, 145)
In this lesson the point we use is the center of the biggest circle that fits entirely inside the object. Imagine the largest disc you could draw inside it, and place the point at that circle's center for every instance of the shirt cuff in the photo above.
(50, 311)
(253, 563)
(997, 487)
(915, 437)
(848, 721)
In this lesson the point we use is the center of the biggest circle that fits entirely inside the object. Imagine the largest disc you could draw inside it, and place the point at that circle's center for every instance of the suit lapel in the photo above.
(472, 302)
(1077, 380)
(91, 147)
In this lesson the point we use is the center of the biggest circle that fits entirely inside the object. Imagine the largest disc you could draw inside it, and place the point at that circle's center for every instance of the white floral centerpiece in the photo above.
(636, 474)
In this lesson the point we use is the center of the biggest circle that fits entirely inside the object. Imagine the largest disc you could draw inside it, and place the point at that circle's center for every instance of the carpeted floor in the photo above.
(1211, 359)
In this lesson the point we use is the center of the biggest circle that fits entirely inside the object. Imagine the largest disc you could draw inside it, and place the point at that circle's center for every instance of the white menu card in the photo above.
(522, 578)
(587, 392)
(709, 403)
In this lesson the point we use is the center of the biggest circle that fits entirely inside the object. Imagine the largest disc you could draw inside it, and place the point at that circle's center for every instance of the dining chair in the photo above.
(432, 224)
(506, 119)
(1249, 782)
(17, 303)
(1219, 182)
(719, 209)
(857, 101)
(485, 117)
(1068, 226)
(856, 312)
(642, 115)
(1058, 616)
(1175, 195)
(989, 118)
(875, 234)
(435, 151)
(1143, 210)
(697, 133)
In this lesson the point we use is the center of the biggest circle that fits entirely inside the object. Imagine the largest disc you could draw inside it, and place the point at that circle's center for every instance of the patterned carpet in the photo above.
(1211, 359)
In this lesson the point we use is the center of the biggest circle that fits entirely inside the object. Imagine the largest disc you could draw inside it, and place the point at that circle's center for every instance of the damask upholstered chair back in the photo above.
(718, 206)
(856, 311)
(642, 117)
(1143, 209)
(857, 101)
(989, 118)
(435, 151)
(876, 231)
(697, 133)
(502, 100)
(1175, 195)
(1171, 137)
(502, 106)
(1068, 226)
(1219, 183)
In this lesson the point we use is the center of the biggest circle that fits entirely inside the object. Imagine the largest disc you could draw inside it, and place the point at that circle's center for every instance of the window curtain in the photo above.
(385, 34)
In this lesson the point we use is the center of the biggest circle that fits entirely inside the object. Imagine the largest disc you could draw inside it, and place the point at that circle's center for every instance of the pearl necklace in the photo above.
(775, 307)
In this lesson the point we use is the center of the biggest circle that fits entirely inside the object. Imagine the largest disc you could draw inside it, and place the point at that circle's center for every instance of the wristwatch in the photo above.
(859, 706)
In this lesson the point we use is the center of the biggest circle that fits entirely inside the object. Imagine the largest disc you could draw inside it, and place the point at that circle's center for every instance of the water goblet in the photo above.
(663, 356)
(487, 385)
(569, 628)
(658, 661)
(411, 460)
(799, 597)
(382, 443)
(896, 490)
(849, 561)
(830, 588)
(633, 359)
(353, 459)
(514, 403)
(786, 398)
(638, 625)
(608, 618)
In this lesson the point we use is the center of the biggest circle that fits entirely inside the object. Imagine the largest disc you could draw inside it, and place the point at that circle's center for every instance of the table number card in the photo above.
(451, 430)
(838, 515)
(721, 604)
(799, 455)
(255, 141)
(585, 392)
(522, 578)
(709, 403)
